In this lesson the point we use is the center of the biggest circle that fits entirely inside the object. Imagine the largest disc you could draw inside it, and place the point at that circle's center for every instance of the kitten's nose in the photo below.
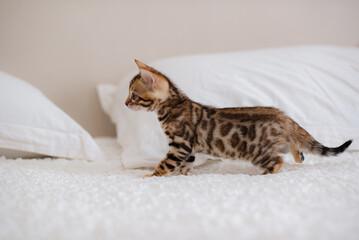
(127, 102)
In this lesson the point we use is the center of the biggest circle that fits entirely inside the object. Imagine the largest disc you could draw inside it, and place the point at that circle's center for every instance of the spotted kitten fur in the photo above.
(257, 134)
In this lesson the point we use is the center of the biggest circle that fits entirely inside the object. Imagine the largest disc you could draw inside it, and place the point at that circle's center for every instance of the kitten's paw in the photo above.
(301, 156)
(148, 175)
(185, 171)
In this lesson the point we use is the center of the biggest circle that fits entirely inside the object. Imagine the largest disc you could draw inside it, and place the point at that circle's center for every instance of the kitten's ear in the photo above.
(149, 79)
(141, 64)
(155, 83)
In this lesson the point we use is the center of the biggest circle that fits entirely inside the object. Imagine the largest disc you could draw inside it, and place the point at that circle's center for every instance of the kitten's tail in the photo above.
(307, 142)
(315, 147)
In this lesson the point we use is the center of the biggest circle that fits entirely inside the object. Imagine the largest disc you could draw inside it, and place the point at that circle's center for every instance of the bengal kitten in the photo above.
(257, 134)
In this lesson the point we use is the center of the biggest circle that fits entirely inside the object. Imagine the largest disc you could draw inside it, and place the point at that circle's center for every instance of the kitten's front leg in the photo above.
(170, 163)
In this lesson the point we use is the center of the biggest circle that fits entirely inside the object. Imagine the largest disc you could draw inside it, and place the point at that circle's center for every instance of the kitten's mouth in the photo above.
(134, 107)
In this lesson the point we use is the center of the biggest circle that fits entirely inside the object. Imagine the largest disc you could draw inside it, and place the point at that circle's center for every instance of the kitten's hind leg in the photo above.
(297, 155)
(187, 165)
(272, 164)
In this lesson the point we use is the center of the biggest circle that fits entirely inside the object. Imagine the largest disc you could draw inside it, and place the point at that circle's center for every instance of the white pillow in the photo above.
(31, 123)
(317, 86)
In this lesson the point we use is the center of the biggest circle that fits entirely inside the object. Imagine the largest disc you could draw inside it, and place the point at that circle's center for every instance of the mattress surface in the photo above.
(74, 199)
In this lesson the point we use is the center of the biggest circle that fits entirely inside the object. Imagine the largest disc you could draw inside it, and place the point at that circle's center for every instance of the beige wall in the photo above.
(66, 48)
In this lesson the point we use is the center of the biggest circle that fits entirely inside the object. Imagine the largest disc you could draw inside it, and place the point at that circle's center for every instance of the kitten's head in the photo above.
(147, 89)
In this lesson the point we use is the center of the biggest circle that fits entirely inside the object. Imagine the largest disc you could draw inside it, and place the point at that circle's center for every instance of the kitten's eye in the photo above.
(133, 96)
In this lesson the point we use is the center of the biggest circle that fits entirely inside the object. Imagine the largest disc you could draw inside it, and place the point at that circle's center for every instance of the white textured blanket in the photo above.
(73, 199)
